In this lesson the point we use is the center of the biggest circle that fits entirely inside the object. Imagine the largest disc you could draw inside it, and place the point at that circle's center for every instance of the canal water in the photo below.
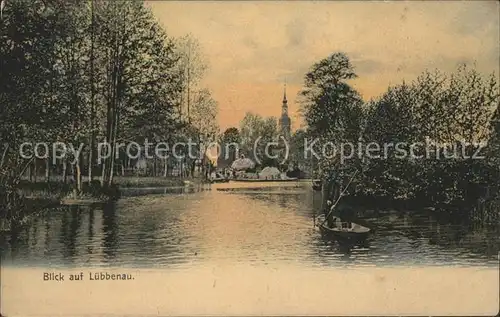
(236, 223)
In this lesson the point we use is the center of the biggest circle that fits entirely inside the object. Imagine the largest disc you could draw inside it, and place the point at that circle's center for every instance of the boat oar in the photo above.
(338, 199)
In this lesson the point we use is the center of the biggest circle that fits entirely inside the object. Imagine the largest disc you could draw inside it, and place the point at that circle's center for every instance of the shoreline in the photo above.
(40, 196)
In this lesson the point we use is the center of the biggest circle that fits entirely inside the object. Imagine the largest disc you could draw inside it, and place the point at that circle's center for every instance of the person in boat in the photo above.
(330, 213)
(333, 220)
(339, 213)
(346, 213)
(332, 190)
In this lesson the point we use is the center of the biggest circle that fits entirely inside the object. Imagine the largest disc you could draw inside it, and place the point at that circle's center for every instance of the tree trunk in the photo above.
(47, 169)
(31, 173)
(35, 172)
(193, 168)
(78, 177)
(113, 147)
(165, 168)
(154, 166)
(64, 171)
(111, 170)
(91, 157)
(115, 124)
(103, 172)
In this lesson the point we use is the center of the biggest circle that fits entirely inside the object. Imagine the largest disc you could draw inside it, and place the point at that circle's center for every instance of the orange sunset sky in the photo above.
(252, 47)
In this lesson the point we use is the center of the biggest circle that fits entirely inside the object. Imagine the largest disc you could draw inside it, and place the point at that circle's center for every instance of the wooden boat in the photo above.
(260, 180)
(345, 230)
(316, 184)
(342, 230)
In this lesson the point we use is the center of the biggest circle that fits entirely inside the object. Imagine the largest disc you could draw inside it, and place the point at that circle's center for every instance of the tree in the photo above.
(192, 66)
(327, 100)
(333, 112)
(29, 33)
(229, 144)
(204, 114)
(257, 135)
(204, 122)
(139, 80)
(447, 113)
(71, 66)
(302, 160)
(390, 120)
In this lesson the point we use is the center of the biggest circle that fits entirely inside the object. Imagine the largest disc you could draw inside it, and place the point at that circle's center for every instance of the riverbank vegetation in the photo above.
(453, 117)
(80, 73)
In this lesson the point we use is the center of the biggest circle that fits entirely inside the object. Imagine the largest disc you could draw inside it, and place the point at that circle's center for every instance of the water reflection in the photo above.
(71, 222)
(110, 231)
(264, 225)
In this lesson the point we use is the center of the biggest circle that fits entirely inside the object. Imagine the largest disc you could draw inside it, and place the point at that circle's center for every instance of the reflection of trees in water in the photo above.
(17, 241)
(440, 232)
(34, 237)
(48, 230)
(71, 222)
(139, 231)
(90, 230)
(64, 231)
(91, 224)
(110, 230)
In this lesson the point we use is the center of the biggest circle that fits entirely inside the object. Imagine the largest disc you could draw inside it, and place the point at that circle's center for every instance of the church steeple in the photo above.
(284, 94)
(284, 120)
(284, 106)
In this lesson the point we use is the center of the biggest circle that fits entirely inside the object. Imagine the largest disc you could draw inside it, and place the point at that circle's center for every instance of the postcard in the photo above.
(249, 158)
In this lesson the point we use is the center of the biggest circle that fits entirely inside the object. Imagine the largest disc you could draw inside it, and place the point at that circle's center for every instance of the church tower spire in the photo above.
(284, 120)
(284, 106)
(284, 94)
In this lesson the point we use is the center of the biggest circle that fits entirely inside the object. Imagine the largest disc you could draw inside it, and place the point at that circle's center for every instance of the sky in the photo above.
(252, 48)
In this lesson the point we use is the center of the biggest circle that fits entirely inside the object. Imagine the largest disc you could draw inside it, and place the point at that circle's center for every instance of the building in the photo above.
(284, 121)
